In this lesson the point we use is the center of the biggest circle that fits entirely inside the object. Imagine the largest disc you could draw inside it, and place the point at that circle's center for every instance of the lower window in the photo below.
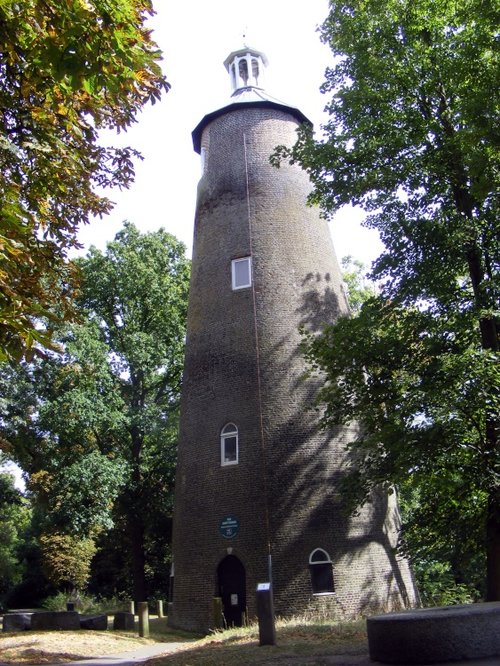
(320, 567)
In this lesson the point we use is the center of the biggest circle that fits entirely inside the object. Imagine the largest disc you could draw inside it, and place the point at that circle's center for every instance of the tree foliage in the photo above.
(413, 138)
(359, 288)
(14, 521)
(67, 559)
(95, 427)
(67, 70)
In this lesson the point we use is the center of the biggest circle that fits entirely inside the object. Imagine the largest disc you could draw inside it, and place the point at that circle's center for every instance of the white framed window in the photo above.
(241, 273)
(229, 445)
(320, 568)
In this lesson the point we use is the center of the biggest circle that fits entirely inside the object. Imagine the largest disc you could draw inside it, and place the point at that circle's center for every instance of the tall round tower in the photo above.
(257, 488)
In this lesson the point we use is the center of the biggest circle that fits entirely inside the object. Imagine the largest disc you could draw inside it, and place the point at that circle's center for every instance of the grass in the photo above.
(300, 641)
(52, 647)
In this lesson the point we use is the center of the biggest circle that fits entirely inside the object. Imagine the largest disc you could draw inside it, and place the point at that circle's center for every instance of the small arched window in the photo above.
(229, 445)
(320, 567)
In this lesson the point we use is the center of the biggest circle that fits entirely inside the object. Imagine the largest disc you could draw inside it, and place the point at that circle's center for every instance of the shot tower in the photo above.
(257, 487)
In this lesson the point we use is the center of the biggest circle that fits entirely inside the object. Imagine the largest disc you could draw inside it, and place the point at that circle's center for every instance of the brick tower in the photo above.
(257, 481)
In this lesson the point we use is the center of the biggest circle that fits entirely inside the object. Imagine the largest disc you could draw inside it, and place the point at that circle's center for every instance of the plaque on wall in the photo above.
(229, 527)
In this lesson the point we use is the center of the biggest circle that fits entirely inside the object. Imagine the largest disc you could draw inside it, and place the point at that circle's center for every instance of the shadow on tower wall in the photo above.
(306, 466)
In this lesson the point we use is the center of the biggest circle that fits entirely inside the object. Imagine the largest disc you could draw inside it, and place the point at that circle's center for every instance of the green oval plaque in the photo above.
(229, 527)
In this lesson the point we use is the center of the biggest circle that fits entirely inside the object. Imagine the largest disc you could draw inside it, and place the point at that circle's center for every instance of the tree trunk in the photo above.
(135, 519)
(493, 547)
(489, 336)
(136, 537)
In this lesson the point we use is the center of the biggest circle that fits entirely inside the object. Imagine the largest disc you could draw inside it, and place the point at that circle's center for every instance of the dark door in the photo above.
(232, 590)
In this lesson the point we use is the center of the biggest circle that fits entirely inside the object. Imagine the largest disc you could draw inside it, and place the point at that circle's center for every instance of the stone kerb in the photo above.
(430, 635)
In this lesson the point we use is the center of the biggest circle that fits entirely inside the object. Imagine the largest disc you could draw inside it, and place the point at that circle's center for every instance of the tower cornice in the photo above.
(257, 99)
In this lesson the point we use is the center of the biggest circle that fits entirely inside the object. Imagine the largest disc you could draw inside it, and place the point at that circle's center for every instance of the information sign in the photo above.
(229, 527)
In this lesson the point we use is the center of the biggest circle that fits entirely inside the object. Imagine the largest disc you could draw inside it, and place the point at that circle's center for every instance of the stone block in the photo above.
(431, 635)
(55, 621)
(96, 622)
(123, 621)
(16, 621)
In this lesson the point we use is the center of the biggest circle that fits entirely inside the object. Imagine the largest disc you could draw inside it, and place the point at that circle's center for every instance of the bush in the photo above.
(437, 586)
(85, 604)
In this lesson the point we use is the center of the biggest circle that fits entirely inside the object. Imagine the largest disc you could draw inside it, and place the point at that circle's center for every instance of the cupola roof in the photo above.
(246, 71)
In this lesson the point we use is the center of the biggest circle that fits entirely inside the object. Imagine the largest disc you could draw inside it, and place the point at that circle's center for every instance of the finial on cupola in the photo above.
(246, 69)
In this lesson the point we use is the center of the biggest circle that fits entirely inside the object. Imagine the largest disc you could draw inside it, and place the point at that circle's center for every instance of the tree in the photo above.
(413, 139)
(14, 520)
(95, 427)
(67, 70)
(354, 276)
(67, 559)
(137, 295)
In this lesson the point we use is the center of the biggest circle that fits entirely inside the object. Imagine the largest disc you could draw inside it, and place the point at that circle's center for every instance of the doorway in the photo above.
(231, 580)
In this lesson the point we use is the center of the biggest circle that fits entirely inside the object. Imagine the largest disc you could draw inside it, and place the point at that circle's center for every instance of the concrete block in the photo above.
(97, 622)
(16, 622)
(55, 620)
(430, 635)
(123, 621)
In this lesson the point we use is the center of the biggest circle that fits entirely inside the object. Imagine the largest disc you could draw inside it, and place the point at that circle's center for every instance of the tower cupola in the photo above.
(246, 69)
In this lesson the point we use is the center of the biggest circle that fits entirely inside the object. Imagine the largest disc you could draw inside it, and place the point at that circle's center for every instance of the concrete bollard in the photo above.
(143, 613)
(131, 607)
(160, 608)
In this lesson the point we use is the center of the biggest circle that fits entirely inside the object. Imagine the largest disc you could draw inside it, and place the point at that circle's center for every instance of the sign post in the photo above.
(265, 614)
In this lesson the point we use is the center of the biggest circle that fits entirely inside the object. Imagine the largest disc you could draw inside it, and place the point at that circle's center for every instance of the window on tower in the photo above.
(241, 273)
(255, 70)
(320, 567)
(229, 445)
(243, 69)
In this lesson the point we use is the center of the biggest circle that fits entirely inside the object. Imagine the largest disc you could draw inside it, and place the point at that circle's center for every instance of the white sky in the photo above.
(195, 38)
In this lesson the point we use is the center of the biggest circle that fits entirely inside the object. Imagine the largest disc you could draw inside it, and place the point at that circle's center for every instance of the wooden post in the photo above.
(218, 616)
(132, 607)
(143, 613)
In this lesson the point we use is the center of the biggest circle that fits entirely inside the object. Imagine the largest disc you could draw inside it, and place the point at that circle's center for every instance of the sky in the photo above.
(195, 38)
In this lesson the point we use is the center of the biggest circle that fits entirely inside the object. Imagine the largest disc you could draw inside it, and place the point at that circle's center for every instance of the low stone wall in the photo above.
(430, 635)
(53, 621)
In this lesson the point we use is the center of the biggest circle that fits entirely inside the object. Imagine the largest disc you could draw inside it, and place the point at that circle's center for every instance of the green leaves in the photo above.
(95, 426)
(66, 70)
(412, 138)
(422, 390)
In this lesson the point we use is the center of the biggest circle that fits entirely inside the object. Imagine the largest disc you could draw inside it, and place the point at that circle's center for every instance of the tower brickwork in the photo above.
(257, 488)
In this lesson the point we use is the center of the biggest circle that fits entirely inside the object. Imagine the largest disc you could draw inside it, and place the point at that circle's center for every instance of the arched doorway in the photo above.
(231, 581)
